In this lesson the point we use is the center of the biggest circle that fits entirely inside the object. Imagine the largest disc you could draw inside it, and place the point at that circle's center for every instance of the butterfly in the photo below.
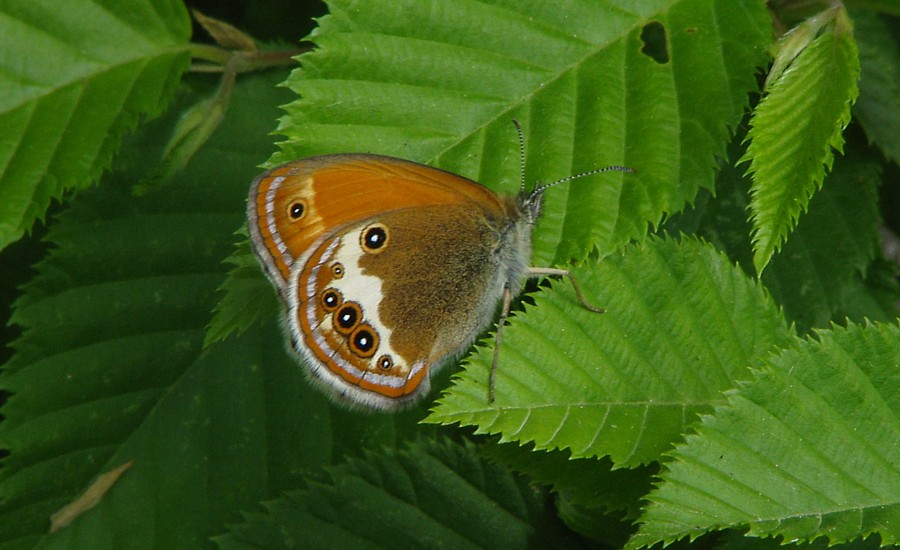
(388, 269)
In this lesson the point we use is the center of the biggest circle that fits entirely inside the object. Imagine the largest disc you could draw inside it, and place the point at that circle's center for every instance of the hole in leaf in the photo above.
(653, 35)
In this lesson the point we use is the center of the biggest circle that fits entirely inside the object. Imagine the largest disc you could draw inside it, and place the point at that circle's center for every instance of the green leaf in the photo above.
(821, 274)
(589, 482)
(721, 218)
(796, 126)
(609, 529)
(806, 449)
(832, 246)
(682, 325)
(874, 296)
(191, 132)
(878, 108)
(248, 298)
(111, 368)
(440, 83)
(113, 323)
(593, 499)
(93, 69)
(431, 495)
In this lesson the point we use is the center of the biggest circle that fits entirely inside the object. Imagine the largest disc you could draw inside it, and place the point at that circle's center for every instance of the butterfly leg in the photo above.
(504, 313)
(498, 337)
(555, 272)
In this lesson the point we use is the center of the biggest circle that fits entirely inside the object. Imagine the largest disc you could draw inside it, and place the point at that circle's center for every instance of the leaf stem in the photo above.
(216, 59)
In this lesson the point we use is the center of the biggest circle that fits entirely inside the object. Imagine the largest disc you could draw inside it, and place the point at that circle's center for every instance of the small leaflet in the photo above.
(90, 498)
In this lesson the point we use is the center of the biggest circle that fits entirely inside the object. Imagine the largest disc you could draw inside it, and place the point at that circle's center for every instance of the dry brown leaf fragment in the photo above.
(88, 499)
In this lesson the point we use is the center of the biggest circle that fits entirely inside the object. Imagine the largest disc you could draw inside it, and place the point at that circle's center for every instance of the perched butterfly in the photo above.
(389, 269)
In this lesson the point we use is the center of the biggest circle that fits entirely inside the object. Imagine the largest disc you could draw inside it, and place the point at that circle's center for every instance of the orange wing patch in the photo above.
(295, 204)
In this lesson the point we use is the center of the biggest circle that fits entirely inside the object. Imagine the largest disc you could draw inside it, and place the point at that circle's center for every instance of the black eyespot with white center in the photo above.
(364, 341)
(296, 210)
(331, 299)
(337, 269)
(347, 317)
(374, 238)
(385, 362)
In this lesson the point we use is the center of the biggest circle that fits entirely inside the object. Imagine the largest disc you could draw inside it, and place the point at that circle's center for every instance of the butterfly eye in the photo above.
(331, 299)
(296, 210)
(374, 238)
(347, 317)
(364, 341)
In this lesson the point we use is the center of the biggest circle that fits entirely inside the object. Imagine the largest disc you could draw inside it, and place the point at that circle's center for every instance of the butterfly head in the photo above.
(531, 202)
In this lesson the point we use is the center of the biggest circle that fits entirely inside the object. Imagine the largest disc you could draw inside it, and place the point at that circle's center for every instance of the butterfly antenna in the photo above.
(614, 168)
(540, 188)
(521, 151)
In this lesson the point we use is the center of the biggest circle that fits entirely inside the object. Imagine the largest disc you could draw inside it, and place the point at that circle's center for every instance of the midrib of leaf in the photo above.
(786, 147)
(82, 78)
(573, 119)
(805, 449)
(85, 52)
(139, 48)
(658, 356)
